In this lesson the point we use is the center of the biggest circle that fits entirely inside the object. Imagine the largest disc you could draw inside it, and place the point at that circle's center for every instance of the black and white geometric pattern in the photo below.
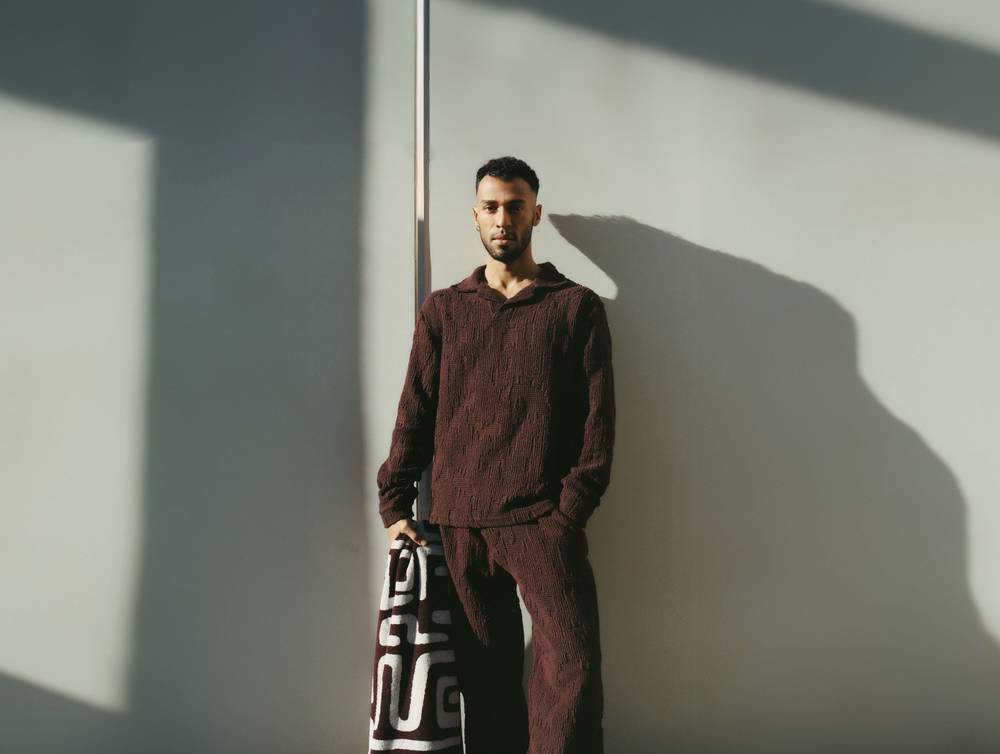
(415, 693)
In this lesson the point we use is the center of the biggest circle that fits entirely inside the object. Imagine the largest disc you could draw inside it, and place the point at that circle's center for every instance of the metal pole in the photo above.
(422, 267)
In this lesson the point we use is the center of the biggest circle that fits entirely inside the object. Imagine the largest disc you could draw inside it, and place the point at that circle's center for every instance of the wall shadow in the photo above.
(821, 48)
(253, 629)
(795, 556)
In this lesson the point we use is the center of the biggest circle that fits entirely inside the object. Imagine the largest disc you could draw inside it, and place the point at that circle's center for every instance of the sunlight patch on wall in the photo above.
(74, 283)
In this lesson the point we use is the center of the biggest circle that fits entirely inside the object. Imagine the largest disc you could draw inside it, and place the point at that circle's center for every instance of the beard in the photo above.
(512, 251)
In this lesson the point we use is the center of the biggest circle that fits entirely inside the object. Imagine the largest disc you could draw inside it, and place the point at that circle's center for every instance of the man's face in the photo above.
(505, 212)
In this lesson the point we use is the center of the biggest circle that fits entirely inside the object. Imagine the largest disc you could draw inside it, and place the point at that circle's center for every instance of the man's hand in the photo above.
(409, 527)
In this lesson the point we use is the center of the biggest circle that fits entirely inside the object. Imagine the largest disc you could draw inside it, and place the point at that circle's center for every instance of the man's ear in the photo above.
(538, 214)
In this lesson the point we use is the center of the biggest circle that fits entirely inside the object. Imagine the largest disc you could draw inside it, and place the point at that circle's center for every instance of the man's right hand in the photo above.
(409, 527)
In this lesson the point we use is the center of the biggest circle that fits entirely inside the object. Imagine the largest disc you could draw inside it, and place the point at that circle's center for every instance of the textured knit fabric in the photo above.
(414, 695)
(564, 708)
(512, 399)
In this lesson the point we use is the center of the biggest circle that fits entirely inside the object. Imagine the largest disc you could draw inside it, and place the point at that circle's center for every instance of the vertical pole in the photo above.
(422, 266)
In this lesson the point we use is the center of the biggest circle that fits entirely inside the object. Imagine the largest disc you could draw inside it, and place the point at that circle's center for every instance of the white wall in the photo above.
(183, 503)
(791, 209)
(206, 298)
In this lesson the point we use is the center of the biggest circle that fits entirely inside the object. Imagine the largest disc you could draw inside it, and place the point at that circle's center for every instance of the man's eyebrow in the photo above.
(494, 201)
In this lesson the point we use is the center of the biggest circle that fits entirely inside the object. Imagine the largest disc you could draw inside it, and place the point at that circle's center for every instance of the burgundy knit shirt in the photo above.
(511, 399)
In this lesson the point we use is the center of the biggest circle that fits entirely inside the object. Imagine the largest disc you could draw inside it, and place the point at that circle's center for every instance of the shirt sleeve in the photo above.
(586, 481)
(412, 445)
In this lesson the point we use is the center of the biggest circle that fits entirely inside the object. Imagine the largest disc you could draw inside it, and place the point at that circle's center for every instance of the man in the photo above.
(510, 391)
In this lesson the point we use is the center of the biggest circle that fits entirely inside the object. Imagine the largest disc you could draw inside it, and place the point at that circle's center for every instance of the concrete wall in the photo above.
(182, 490)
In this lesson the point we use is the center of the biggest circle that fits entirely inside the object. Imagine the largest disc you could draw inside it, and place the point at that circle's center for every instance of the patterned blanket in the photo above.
(415, 693)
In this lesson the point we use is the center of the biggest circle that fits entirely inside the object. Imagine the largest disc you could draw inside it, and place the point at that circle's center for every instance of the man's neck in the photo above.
(505, 277)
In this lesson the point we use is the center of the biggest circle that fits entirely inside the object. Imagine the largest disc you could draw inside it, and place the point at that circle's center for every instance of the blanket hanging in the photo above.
(415, 693)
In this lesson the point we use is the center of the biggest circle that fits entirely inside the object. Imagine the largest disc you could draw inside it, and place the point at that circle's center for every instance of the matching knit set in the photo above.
(511, 402)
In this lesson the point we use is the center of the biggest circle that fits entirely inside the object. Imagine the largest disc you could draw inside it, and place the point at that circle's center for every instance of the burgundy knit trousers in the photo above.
(563, 711)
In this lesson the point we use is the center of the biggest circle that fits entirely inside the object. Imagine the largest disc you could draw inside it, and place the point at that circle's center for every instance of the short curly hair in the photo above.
(507, 169)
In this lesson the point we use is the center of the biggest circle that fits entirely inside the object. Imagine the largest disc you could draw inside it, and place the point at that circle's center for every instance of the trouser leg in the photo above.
(565, 690)
(489, 644)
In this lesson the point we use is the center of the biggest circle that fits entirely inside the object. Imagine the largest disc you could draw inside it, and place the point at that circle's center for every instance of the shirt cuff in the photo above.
(576, 517)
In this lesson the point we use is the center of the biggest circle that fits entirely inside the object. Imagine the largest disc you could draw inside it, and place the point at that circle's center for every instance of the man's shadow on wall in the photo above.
(780, 560)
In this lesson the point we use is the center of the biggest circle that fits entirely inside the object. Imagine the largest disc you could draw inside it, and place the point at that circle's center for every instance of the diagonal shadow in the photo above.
(821, 48)
(795, 555)
(253, 622)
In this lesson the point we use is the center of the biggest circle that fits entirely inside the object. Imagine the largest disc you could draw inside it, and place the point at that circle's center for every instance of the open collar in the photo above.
(548, 277)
